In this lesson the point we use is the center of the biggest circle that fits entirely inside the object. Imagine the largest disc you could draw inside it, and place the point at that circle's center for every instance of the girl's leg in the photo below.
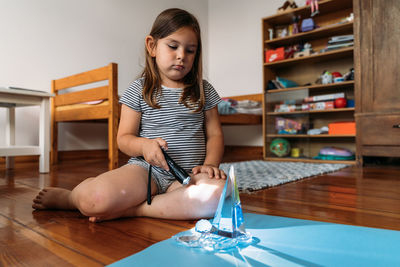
(106, 195)
(197, 200)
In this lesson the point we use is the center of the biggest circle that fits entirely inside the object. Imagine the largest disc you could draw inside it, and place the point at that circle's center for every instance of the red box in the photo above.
(272, 55)
(337, 128)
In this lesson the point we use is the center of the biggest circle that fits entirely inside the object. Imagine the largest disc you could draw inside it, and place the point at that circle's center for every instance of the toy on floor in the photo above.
(227, 229)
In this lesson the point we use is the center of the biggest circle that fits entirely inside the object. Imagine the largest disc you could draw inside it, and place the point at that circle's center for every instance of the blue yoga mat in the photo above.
(281, 241)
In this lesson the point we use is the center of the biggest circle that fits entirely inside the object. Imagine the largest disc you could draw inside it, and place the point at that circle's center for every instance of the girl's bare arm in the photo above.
(214, 146)
(215, 138)
(131, 144)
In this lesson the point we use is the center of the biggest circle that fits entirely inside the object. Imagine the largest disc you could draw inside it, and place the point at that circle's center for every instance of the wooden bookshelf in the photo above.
(305, 70)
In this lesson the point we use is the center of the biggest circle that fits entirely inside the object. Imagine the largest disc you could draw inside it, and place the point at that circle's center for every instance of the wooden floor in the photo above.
(367, 196)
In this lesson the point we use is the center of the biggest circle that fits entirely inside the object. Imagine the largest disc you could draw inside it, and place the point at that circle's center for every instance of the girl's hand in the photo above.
(151, 151)
(211, 170)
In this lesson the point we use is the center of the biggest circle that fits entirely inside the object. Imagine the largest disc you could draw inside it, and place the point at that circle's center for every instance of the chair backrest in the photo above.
(65, 104)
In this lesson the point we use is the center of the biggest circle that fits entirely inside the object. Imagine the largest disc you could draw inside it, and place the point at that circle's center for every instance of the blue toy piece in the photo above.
(307, 25)
(335, 153)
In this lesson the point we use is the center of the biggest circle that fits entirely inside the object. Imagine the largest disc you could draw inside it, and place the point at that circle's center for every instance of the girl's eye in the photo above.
(172, 47)
(190, 51)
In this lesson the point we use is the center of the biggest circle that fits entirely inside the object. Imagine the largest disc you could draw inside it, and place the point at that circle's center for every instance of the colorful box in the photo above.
(275, 55)
(339, 128)
(322, 105)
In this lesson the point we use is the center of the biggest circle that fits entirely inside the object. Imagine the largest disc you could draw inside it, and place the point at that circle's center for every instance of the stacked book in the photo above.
(341, 41)
(318, 102)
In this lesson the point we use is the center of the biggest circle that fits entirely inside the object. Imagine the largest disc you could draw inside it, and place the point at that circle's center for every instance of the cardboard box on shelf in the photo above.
(339, 128)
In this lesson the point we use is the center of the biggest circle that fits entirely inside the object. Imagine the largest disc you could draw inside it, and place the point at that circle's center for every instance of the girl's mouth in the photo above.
(177, 67)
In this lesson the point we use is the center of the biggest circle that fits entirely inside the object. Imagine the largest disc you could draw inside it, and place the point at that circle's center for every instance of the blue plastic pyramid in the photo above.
(228, 219)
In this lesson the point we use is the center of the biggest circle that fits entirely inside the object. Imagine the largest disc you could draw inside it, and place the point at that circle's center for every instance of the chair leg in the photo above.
(112, 143)
(54, 143)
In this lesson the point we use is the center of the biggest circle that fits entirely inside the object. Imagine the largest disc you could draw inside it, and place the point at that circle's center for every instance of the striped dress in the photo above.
(183, 129)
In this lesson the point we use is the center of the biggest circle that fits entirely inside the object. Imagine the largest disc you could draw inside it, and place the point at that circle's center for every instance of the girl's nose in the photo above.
(180, 54)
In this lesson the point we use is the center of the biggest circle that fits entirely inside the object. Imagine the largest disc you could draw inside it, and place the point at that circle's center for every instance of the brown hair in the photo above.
(166, 23)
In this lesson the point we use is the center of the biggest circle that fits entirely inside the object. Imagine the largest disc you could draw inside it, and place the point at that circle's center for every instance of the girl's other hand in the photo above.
(211, 170)
(152, 152)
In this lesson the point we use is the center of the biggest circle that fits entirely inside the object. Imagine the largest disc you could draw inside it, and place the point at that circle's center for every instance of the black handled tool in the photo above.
(180, 174)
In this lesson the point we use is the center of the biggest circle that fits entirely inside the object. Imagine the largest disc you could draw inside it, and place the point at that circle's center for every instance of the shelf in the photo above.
(11, 151)
(310, 111)
(314, 87)
(335, 54)
(307, 160)
(240, 119)
(311, 136)
(303, 70)
(327, 31)
(325, 6)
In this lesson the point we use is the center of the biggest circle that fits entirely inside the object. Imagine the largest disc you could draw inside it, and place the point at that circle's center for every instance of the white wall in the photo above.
(45, 39)
(235, 55)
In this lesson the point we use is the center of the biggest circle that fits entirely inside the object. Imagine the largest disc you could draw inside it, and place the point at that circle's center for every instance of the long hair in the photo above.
(166, 23)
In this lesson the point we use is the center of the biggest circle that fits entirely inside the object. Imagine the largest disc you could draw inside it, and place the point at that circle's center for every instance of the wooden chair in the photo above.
(69, 107)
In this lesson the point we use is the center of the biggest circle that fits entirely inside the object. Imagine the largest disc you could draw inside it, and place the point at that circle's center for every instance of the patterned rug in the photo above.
(258, 174)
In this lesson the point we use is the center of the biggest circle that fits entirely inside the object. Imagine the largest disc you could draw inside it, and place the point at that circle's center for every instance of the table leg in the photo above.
(10, 134)
(44, 136)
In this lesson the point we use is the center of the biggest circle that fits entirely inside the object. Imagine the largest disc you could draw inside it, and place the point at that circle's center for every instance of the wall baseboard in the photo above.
(232, 154)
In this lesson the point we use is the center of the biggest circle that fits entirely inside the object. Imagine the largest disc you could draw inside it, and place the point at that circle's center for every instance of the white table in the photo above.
(13, 98)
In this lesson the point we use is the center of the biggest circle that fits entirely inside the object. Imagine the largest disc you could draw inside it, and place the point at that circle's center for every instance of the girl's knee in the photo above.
(212, 189)
(94, 202)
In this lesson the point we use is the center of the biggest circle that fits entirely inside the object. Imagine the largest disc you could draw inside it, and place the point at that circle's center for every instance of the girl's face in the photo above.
(174, 55)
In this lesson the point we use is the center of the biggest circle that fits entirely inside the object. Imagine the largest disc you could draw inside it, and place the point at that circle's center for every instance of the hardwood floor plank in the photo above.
(74, 231)
(20, 246)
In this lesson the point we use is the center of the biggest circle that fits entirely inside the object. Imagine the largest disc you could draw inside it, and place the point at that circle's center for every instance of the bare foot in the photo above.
(53, 198)
(131, 212)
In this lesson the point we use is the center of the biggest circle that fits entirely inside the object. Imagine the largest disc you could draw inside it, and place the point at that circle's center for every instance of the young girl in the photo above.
(171, 108)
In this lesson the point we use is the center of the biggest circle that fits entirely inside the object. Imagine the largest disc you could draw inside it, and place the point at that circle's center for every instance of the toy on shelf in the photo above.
(349, 76)
(304, 51)
(335, 153)
(316, 131)
(314, 7)
(280, 147)
(340, 102)
(308, 25)
(295, 152)
(290, 4)
(287, 126)
(326, 77)
(295, 25)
